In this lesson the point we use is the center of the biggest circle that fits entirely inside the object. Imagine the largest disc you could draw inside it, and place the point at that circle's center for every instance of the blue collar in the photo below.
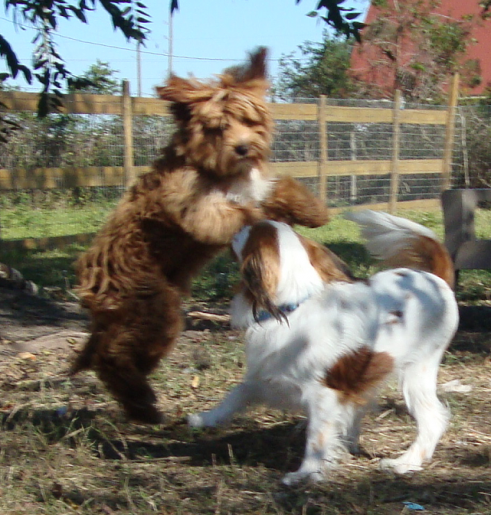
(264, 315)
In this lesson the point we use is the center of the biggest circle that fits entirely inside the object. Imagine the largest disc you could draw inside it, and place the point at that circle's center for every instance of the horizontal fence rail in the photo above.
(105, 176)
(78, 103)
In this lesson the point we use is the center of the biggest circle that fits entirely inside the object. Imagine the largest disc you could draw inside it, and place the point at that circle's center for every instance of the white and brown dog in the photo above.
(322, 343)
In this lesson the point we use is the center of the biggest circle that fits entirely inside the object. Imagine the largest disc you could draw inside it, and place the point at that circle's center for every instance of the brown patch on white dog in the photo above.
(358, 373)
(424, 253)
(328, 265)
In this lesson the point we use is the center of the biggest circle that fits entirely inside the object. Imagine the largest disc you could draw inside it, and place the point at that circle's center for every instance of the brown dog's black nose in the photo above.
(242, 150)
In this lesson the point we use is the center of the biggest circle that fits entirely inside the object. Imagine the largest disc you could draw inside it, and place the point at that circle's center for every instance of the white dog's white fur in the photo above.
(324, 344)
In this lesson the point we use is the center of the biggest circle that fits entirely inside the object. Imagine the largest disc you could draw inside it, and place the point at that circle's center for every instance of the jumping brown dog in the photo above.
(211, 180)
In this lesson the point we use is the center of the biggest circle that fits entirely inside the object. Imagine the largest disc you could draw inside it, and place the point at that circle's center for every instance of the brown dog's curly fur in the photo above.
(211, 180)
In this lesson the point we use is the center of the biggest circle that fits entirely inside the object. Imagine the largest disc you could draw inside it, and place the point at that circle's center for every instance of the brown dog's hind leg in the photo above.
(130, 387)
(117, 368)
(130, 345)
(127, 344)
(84, 360)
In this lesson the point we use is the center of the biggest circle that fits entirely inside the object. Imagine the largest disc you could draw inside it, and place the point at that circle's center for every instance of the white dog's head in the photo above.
(280, 268)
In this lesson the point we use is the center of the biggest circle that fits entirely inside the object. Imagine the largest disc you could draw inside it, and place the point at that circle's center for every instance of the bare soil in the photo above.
(65, 446)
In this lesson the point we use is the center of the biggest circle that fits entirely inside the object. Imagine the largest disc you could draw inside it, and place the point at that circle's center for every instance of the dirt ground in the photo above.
(67, 449)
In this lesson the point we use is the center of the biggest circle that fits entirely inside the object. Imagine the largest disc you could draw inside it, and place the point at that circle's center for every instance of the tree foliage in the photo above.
(98, 80)
(486, 7)
(410, 47)
(49, 68)
(321, 69)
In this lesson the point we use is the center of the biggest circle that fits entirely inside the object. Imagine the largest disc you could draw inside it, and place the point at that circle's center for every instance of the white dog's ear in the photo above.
(260, 269)
(328, 265)
(260, 285)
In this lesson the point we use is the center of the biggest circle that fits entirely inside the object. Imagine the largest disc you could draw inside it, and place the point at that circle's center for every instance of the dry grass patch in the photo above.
(66, 448)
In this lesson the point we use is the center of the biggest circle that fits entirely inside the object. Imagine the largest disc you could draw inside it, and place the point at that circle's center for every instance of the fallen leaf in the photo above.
(27, 355)
(195, 382)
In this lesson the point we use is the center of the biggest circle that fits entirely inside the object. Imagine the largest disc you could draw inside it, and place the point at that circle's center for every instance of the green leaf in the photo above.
(352, 16)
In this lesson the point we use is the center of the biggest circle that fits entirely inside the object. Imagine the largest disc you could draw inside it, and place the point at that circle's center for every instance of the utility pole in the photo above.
(170, 43)
(139, 68)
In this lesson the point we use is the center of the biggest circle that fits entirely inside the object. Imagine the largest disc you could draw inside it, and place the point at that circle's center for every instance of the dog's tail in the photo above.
(402, 243)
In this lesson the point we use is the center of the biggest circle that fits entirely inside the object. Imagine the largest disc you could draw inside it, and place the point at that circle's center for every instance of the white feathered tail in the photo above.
(399, 242)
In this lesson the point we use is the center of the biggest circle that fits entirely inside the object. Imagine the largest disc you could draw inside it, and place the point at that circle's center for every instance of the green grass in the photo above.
(54, 268)
(26, 222)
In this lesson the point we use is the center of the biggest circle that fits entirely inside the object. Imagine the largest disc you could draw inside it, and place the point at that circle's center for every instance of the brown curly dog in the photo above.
(211, 180)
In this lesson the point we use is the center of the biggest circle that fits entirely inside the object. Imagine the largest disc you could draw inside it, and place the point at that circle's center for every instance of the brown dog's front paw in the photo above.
(144, 414)
(292, 202)
(253, 214)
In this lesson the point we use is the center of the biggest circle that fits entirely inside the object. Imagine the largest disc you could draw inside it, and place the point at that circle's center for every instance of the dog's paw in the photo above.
(204, 419)
(294, 478)
(354, 449)
(399, 466)
(195, 420)
(148, 414)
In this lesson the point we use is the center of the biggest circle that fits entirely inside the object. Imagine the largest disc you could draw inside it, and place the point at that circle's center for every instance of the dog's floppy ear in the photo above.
(255, 68)
(260, 286)
(182, 93)
(251, 75)
(328, 265)
(260, 270)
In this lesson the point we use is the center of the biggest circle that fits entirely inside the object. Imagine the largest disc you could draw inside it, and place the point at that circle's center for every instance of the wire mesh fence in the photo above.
(472, 147)
(356, 153)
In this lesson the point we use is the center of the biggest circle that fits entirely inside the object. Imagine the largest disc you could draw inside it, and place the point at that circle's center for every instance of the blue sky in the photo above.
(207, 37)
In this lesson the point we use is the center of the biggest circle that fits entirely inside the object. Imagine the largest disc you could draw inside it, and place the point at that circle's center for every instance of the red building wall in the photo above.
(455, 10)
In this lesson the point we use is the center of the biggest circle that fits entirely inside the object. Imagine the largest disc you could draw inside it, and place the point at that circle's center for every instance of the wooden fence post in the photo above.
(450, 133)
(396, 137)
(128, 163)
(353, 185)
(322, 169)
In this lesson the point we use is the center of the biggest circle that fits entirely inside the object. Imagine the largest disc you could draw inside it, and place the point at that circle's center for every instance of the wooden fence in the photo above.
(320, 113)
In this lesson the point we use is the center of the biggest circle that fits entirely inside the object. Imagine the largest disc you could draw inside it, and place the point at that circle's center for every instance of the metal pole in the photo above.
(139, 69)
(170, 43)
